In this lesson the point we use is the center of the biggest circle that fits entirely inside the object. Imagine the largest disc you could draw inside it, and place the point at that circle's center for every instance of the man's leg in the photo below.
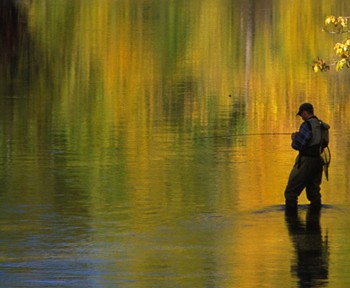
(313, 187)
(296, 183)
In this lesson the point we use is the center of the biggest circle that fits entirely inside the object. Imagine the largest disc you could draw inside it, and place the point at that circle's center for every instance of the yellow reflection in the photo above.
(134, 85)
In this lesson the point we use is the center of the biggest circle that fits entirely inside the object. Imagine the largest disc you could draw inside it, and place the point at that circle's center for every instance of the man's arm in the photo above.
(301, 138)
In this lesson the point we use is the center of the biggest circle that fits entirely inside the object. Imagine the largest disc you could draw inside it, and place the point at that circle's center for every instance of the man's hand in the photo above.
(294, 134)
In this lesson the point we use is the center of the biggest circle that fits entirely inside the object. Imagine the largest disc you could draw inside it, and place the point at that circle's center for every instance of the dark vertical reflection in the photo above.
(13, 38)
(13, 45)
(9, 30)
(311, 251)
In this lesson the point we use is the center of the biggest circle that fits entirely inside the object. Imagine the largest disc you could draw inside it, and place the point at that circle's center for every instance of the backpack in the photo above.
(324, 134)
(324, 149)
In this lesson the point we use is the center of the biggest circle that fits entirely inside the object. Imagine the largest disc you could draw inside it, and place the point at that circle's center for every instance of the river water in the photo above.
(146, 144)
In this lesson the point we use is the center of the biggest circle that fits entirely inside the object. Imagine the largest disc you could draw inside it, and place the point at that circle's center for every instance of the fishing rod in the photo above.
(262, 134)
(248, 134)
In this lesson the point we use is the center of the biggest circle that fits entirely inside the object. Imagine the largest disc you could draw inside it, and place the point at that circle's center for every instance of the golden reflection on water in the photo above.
(161, 128)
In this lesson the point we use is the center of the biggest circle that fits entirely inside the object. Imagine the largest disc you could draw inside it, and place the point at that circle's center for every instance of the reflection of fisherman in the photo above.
(311, 250)
(308, 167)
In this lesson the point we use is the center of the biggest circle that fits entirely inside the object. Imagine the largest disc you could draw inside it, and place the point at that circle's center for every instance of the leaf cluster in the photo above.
(320, 65)
(336, 25)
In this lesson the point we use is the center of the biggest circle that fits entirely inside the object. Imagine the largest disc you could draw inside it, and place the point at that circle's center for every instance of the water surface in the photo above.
(146, 144)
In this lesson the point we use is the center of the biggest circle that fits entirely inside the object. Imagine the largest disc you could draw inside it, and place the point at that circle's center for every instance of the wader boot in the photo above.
(291, 205)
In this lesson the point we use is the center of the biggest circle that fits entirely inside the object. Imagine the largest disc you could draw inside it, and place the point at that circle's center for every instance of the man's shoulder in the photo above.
(312, 119)
(306, 125)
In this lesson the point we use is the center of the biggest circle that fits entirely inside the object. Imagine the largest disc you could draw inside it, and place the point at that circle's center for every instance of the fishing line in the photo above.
(246, 134)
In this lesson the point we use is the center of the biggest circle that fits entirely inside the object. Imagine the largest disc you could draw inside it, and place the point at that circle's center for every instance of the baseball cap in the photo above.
(305, 107)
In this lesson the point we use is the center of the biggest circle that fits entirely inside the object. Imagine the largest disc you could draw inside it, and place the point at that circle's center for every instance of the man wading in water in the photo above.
(310, 141)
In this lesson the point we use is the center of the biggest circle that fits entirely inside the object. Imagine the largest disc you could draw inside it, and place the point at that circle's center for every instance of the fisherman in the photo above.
(310, 141)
